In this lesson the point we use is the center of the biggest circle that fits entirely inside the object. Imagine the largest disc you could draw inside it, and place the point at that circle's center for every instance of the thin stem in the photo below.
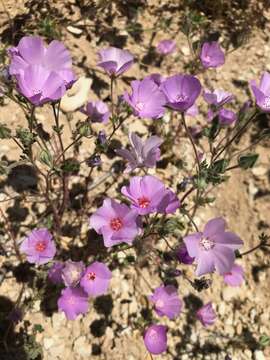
(187, 194)
(253, 249)
(112, 97)
(238, 133)
(191, 140)
(9, 230)
(191, 220)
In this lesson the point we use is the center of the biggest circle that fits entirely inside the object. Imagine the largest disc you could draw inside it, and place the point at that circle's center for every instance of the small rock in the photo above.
(48, 343)
(259, 171)
(82, 347)
(77, 96)
(74, 30)
(185, 50)
(258, 355)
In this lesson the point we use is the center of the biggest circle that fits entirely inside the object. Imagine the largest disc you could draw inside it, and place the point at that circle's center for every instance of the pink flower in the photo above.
(235, 277)
(73, 302)
(96, 279)
(213, 248)
(38, 247)
(206, 315)
(165, 47)
(115, 61)
(55, 273)
(212, 55)
(166, 301)
(116, 222)
(155, 339)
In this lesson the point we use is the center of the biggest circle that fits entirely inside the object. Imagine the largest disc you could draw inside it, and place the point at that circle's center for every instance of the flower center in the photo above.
(71, 300)
(116, 224)
(143, 202)
(207, 58)
(139, 106)
(40, 246)
(153, 335)
(91, 276)
(266, 102)
(37, 91)
(160, 303)
(207, 244)
(181, 97)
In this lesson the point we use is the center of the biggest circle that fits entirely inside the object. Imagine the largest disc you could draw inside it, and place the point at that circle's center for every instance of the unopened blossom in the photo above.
(73, 302)
(155, 339)
(142, 153)
(115, 61)
(183, 256)
(39, 85)
(262, 92)
(212, 55)
(38, 246)
(148, 194)
(213, 248)
(55, 272)
(235, 277)
(165, 47)
(116, 222)
(226, 117)
(181, 91)
(166, 301)
(72, 273)
(55, 58)
(217, 97)
(96, 279)
(146, 99)
(206, 314)
(97, 111)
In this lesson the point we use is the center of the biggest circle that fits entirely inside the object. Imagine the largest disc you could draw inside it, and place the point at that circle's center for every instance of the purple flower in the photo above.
(142, 154)
(183, 257)
(55, 273)
(181, 91)
(212, 55)
(165, 47)
(39, 85)
(217, 97)
(235, 277)
(38, 247)
(115, 61)
(155, 339)
(72, 273)
(32, 51)
(157, 78)
(97, 111)
(193, 111)
(96, 279)
(169, 203)
(206, 314)
(116, 222)
(262, 92)
(166, 301)
(213, 248)
(102, 137)
(144, 193)
(226, 117)
(148, 194)
(73, 302)
(146, 100)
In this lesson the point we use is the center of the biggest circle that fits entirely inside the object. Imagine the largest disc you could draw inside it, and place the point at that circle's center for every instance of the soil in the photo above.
(107, 331)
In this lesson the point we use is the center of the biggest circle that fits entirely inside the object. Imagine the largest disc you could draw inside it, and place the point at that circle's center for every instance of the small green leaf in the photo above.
(5, 132)
(220, 166)
(247, 161)
(264, 340)
(46, 158)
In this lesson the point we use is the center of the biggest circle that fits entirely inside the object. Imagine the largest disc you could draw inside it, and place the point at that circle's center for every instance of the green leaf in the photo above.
(38, 328)
(25, 136)
(5, 132)
(220, 166)
(264, 340)
(46, 158)
(247, 161)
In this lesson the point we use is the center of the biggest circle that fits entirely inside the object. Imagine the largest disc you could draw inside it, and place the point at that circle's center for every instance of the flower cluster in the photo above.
(43, 74)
